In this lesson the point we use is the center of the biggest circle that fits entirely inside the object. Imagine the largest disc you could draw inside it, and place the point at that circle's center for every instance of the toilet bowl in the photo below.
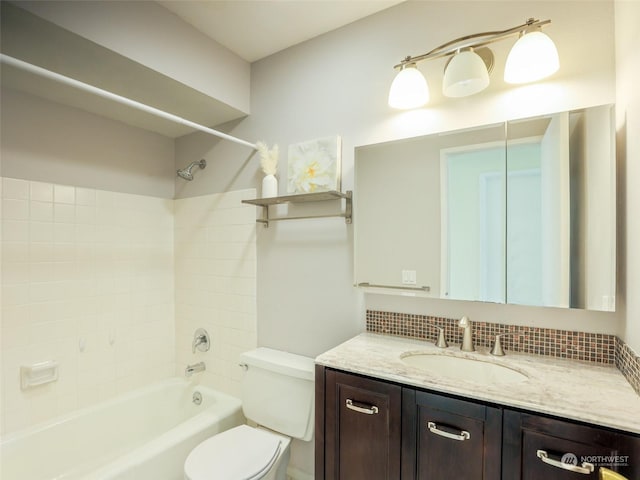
(278, 395)
(243, 452)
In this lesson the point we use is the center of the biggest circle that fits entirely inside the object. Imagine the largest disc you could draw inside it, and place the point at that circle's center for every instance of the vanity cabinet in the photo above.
(446, 437)
(373, 429)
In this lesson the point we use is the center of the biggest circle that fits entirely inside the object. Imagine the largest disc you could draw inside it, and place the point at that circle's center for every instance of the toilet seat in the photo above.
(242, 453)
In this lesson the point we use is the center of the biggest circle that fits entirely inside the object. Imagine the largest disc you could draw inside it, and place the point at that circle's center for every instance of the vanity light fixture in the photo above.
(533, 57)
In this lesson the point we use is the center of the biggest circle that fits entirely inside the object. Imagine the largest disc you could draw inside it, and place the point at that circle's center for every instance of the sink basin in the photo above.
(460, 368)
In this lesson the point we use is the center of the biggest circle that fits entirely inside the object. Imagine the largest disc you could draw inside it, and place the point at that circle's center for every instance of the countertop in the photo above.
(583, 391)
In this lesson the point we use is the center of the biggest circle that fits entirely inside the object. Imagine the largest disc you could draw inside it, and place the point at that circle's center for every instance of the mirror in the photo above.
(520, 213)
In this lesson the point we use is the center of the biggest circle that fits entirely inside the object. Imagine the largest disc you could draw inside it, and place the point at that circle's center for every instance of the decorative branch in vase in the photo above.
(269, 164)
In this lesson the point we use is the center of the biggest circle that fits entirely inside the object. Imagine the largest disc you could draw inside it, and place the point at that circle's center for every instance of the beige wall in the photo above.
(50, 142)
(628, 126)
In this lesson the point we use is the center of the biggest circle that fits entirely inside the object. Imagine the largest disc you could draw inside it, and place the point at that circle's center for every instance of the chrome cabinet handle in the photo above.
(368, 410)
(586, 468)
(464, 435)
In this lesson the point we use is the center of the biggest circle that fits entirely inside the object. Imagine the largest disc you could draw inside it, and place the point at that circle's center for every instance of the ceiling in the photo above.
(254, 29)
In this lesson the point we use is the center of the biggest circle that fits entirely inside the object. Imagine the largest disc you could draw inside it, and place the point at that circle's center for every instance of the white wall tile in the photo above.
(97, 268)
(15, 189)
(15, 209)
(41, 211)
(215, 246)
(41, 192)
(64, 194)
(83, 265)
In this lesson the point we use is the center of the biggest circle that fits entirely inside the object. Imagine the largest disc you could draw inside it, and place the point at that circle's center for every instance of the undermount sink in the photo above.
(461, 368)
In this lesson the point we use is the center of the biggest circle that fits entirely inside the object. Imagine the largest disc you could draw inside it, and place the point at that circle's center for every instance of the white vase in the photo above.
(269, 186)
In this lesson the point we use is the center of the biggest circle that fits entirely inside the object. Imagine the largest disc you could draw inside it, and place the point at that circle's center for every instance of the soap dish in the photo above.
(38, 374)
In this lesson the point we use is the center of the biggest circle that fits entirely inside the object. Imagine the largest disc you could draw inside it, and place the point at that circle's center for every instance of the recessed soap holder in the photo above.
(38, 374)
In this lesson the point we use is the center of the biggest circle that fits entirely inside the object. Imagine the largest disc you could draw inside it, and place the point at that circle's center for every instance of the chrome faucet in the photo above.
(467, 337)
(196, 367)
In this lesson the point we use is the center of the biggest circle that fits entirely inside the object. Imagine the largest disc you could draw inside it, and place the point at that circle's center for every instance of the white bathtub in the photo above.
(143, 435)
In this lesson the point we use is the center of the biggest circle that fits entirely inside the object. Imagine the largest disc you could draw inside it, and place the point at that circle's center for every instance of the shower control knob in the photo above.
(200, 341)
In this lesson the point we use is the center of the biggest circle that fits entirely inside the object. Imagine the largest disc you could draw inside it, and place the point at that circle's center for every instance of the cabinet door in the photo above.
(452, 438)
(541, 448)
(362, 428)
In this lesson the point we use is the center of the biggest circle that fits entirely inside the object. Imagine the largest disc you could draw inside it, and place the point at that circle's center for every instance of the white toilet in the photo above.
(278, 395)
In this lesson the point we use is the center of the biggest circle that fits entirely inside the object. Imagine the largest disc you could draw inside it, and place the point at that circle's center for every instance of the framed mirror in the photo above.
(521, 213)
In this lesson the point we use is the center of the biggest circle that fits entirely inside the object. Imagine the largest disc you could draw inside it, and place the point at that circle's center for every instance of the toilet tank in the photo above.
(278, 391)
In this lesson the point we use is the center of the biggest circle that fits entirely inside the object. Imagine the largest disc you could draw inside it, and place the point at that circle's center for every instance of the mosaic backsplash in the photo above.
(591, 347)
(628, 362)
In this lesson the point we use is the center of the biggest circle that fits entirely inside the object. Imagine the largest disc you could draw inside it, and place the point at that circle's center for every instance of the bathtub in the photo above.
(142, 435)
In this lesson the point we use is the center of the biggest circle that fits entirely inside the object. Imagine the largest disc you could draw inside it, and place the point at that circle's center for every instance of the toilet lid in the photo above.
(242, 453)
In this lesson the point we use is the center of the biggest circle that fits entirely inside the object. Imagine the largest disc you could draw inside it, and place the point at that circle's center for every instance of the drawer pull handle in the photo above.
(586, 468)
(464, 435)
(368, 410)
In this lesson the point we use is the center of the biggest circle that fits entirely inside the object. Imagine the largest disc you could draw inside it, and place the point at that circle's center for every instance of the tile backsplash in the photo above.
(592, 347)
(87, 280)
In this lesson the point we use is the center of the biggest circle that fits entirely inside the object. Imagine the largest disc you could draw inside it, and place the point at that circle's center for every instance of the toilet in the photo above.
(277, 395)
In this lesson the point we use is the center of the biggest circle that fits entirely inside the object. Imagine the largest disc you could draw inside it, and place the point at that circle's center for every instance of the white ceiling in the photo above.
(254, 29)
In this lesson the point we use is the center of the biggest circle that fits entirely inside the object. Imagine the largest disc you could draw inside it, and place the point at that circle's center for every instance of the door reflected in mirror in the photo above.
(521, 213)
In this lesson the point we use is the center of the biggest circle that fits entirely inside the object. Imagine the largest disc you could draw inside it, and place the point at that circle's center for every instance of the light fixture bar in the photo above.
(467, 41)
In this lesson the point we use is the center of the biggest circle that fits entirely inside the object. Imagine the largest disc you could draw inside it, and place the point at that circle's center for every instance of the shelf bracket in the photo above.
(265, 203)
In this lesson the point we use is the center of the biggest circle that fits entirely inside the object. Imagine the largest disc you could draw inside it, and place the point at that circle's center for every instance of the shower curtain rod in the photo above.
(119, 99)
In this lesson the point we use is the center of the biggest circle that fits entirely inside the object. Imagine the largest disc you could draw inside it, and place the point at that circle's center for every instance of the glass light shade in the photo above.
(465, 75)
(409, 89)
(533, 57)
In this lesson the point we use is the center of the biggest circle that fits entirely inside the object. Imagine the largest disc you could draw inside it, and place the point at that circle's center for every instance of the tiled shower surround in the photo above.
(88, 280)
(215, 271)
(592, 347)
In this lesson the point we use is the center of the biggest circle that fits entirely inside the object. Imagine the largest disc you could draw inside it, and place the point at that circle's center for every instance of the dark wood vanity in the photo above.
(372, 429)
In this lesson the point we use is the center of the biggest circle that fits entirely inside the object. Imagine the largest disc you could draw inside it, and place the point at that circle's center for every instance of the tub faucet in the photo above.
(196, 367)
(467, 338)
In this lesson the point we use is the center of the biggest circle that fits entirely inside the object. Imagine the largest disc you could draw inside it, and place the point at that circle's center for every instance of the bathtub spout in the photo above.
(196, 367)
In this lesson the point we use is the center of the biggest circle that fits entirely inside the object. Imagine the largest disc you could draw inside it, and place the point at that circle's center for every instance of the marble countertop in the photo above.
(588, 392)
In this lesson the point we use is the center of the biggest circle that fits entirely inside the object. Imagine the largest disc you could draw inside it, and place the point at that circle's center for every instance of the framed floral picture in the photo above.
(314, 166)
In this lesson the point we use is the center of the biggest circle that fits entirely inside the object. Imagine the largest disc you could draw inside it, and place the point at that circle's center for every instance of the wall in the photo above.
(628, 124)
(49, 142)
(215, 267)
(87, 281)
(338, 84)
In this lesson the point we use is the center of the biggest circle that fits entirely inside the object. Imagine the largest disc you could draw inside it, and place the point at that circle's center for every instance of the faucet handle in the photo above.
(441, 342)
(497, 349)
(200, 341)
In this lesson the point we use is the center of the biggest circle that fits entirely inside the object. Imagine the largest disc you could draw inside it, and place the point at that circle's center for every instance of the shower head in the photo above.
(187, 174)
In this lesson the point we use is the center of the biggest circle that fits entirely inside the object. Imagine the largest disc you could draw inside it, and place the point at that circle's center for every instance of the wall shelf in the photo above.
(265, 203)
